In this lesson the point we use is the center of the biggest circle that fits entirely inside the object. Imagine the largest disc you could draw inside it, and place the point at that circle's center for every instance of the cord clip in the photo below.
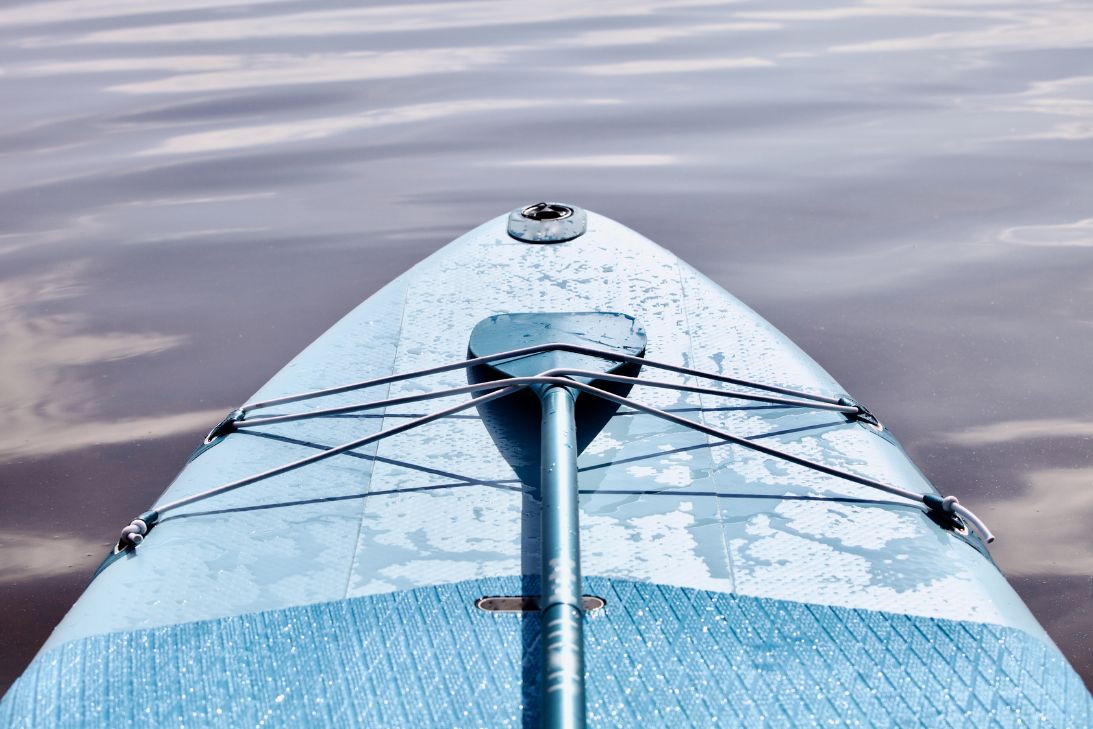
(863, 415)
(225, 426)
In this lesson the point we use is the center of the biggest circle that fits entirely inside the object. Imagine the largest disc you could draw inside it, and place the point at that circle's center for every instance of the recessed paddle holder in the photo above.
(572, 371)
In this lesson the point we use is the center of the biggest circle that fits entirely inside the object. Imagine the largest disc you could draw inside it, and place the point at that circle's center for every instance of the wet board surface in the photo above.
(727, 548)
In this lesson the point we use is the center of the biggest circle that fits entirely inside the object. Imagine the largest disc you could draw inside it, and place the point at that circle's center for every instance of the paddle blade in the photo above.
(514, 422)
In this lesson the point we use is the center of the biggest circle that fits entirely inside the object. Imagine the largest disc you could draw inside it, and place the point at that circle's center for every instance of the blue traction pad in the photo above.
(656, 656)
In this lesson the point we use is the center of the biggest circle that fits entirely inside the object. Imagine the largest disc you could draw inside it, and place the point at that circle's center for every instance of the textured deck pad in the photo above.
(657, 655)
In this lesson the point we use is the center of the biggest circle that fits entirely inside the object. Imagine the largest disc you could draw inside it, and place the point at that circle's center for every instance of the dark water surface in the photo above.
(193, 190)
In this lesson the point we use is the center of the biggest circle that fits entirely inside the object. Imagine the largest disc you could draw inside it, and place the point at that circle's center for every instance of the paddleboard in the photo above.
(397, 582)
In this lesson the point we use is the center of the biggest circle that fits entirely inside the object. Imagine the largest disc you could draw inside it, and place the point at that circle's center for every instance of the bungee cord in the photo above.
(134, 533)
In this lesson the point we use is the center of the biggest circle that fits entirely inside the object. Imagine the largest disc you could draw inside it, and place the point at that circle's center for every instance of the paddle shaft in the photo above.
(561, 610)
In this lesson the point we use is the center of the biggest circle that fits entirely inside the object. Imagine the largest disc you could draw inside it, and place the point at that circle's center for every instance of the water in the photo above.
(192, 190)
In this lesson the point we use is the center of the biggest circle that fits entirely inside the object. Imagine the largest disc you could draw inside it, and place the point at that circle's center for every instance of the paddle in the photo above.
(568, 423)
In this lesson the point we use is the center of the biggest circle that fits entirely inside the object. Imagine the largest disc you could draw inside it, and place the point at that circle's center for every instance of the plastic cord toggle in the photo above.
(134, 533)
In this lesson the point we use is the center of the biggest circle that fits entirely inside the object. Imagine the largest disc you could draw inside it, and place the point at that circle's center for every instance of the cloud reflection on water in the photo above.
(657, 34)
(66, 11)
(1076, 234)
(1068, 99)
(672, 65)
(48, 408)
(257, 71)
(28, 555)
(595, 160)
(411, 17)
(188, 64)
(1054, 514)
(1017, 431)
(311, 129)
(1020, 29)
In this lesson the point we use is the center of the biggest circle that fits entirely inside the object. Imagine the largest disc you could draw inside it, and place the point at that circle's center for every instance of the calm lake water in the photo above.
(192, 190)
